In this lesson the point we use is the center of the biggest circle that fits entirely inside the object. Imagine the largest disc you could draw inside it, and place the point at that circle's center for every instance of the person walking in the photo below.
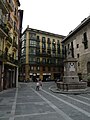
(40, 82)
(37, 85)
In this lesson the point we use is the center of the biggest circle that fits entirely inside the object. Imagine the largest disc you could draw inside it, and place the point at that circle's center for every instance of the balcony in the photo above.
(16, 30)
(10, 5)
(49, 48)
(48, 42)
(3, 29)
(38, 46)
(10, 21)
(15, 46)
(16, 16)
(9, 40)
(9, 58)
(53, 49)
(3, 6)
(38, 40)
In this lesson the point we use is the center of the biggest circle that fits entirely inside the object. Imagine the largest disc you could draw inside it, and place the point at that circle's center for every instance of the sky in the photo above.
(55, 16)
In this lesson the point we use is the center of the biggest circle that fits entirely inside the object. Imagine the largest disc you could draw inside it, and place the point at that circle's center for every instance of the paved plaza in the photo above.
(25, 103)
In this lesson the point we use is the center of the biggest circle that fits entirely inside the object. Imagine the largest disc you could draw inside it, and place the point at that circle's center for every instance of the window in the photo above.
(43, 51)
(44, 60)
(77, 55)
(43, 45)
(32, 43)
(48, 52)
(38, 37)
(54, 41)
(32, 51)
(43, 39)
(53, 68)
(58, 49)
(68, 49)
(38, 68)
(23, 51)
(48, 61)
(38, 60)
(65, 52)
(31, 68)
(23, 43)
(77, 45)
(43, 68)
(48, 46)
(72, 49)
(53, 46)
(32, 59)
(58, 42)
(48, 41)
(53, 61)
(85, 41)
(33, 36)
(38, 44)
(14, 25)
(49, 69)
(38, 51)
(15, 11)
(78, 64)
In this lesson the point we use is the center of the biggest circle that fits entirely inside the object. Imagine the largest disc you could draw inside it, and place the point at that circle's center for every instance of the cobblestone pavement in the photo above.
(25, 103)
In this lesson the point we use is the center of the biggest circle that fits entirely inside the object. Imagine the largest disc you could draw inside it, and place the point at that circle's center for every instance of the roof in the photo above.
(43, 32)
(79, 27)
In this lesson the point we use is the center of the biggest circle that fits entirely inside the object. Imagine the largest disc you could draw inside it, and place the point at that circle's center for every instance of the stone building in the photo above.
(77, 45)
(8, 43)
(41, 55)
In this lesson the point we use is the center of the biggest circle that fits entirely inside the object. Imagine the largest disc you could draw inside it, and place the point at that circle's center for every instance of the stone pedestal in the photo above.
(70, 71)
(70, 78)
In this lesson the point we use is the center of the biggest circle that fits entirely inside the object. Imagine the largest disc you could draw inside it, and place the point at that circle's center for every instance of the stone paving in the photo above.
(25, 103)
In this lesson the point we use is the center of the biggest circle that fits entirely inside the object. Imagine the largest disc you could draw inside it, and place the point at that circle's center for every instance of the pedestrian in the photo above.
(37, 86)
(40, 82)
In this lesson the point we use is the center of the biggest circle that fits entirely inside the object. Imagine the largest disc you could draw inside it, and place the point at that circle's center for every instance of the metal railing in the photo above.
(8, 58)
(3, 27)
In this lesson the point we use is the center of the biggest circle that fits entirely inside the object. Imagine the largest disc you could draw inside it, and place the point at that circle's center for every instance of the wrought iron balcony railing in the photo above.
(8, 58)
(10, 5)
(3, 6)
(15, 45)
(3, 27)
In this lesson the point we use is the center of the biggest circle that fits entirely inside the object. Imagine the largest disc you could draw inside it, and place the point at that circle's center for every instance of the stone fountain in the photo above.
(70, 78)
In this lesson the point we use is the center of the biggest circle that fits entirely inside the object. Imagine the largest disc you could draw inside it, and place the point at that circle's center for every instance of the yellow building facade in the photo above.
(41, 55)
(8, 43)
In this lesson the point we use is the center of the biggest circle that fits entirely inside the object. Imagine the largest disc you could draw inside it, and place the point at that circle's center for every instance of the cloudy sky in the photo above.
(56, 16)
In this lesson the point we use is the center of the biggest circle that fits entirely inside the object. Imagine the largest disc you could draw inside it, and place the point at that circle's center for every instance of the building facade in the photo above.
(77, 45)
(8, 43)
(41, 55)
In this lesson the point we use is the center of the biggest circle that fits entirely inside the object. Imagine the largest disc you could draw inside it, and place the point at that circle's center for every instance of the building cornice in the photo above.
(43, 32)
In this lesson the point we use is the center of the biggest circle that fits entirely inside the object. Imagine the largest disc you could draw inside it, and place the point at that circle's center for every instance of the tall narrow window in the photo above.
(85, 41)
(72, 49)
(65, 52)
